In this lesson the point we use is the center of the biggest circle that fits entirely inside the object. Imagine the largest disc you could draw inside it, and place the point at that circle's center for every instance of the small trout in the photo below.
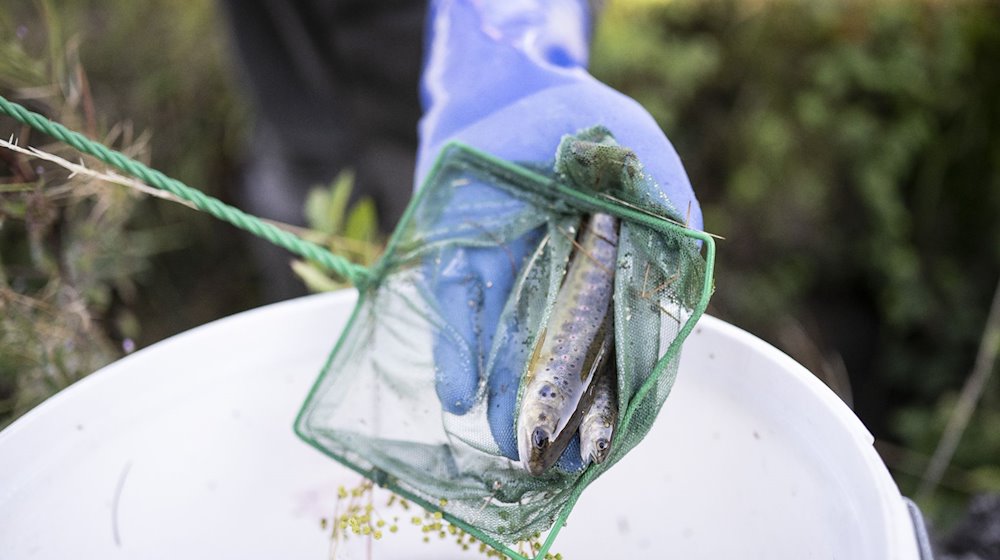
(598, 424)
(571, 350)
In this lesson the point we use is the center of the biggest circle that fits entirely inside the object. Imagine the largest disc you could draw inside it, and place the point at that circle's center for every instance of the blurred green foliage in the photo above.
(350, 232)
(66, 275)
(89, 271)
(850, 154)
(162, 68)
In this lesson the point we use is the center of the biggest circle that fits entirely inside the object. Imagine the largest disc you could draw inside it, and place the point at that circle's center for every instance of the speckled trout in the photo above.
(578, 340)
(597, 427)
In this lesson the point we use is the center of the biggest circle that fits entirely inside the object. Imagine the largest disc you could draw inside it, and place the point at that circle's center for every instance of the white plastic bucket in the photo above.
(186, 450)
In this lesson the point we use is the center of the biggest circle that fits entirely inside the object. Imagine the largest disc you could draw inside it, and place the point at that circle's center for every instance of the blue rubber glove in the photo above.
(509, 78)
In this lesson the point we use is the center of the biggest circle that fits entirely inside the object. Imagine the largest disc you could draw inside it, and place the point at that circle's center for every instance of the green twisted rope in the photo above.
(354, 273)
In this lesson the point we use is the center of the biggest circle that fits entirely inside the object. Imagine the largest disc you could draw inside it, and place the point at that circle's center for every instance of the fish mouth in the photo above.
(540, 439)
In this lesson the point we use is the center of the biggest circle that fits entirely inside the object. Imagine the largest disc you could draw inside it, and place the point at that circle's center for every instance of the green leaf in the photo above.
(362, 222)
(317, 203)
(326, 207)
(340, 194)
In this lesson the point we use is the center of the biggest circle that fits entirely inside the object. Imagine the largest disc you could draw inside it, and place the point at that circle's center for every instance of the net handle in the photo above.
(354, 273)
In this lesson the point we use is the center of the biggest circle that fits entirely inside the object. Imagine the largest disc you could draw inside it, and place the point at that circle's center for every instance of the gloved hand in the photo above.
(509, 78)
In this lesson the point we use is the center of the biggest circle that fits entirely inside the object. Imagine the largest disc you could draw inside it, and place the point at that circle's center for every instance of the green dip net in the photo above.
(374, 408)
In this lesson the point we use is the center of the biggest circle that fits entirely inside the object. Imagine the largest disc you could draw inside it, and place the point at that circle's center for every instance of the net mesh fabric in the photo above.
(377, 406)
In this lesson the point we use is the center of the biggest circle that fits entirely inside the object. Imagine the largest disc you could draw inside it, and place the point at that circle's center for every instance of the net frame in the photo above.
(458, 154)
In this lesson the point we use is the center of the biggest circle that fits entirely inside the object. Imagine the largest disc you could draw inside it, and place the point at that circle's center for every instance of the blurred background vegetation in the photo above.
(848, 151)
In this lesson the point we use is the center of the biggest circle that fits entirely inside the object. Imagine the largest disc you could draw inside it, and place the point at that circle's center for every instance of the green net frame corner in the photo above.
(366, 280)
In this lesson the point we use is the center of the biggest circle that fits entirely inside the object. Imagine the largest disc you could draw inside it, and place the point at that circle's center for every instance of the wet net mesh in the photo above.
(382, 405)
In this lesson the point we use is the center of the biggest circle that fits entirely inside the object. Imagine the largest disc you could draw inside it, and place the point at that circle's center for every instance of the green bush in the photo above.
(69, 252)
(849, 152)
(89, 271)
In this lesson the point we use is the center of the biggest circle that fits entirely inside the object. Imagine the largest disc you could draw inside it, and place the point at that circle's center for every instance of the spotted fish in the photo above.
(575, 345)
(597, 427)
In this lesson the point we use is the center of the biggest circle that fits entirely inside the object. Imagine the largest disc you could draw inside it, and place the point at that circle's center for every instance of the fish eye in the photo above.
(540, 438)
(602, 444)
